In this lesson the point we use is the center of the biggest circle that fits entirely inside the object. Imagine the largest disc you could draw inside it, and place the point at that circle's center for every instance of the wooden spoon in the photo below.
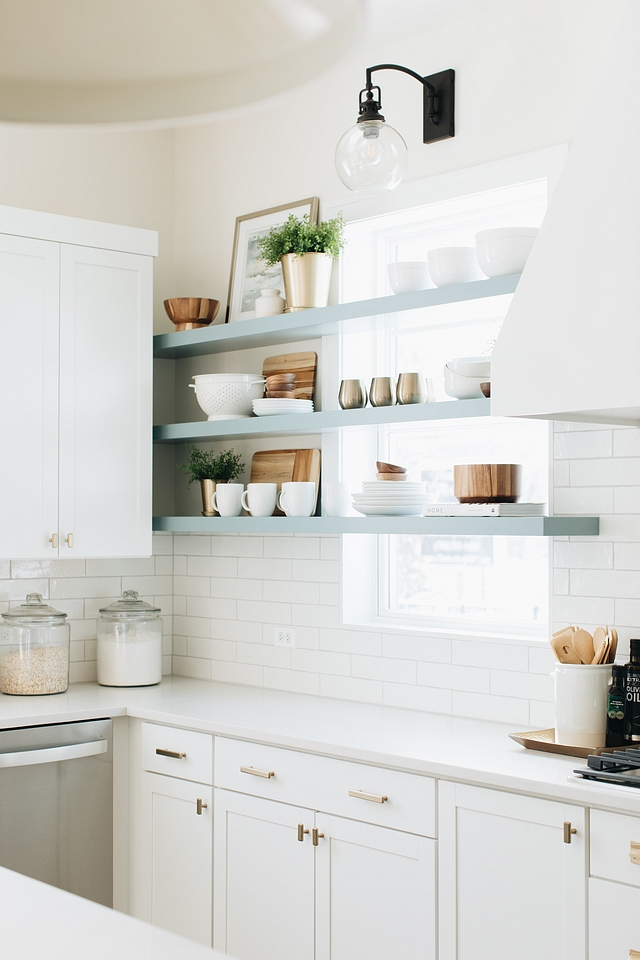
(614, 644)
(582, 643)
(563, 650)
(601, 652)
(599, 635)
(564, 630)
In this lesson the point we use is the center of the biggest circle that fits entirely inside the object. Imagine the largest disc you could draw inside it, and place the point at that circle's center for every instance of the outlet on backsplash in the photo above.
(284, 637)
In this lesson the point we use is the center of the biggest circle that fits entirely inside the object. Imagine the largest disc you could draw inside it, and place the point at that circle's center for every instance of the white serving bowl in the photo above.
(504, 250)
(470, 366)
(227, 396)
(453, 265)
(408, 275)
(462, 388)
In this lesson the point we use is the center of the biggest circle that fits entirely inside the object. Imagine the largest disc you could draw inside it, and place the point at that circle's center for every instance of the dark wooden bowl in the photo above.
(486, 388)
(191, 313)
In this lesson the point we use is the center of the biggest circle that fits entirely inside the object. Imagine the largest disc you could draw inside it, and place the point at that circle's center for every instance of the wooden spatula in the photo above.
(563, 650)
(564, 630)
(582, 643)
(601, 652)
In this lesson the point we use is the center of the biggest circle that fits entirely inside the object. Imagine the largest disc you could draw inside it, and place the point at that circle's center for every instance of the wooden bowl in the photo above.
(191, 313)
(391, 476)
(486, 482)
(280, 395)
(486, 388)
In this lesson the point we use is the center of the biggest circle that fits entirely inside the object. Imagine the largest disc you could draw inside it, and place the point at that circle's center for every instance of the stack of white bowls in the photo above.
(463, 376)
(384, 498)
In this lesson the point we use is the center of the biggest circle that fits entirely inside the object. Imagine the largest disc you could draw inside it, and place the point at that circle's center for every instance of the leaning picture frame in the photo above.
(249, 273)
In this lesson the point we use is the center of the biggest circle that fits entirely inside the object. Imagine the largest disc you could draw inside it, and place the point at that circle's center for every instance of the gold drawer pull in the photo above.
(634, 954)
(170, 753)
(258, 773)
(361, 795)
(634, 856)
(200, 806)
(315, 835)
(567, 830)
(301, 831)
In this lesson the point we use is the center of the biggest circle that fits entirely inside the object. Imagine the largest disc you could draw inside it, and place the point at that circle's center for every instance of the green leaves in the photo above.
(203, 465)
(300, 236)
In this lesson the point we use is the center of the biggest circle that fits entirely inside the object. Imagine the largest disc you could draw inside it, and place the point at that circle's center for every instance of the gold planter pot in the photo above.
(208, 488)
(306, 280)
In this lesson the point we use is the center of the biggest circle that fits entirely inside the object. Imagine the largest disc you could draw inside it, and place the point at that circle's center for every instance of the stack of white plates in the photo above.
(385, 498)
(271, 406)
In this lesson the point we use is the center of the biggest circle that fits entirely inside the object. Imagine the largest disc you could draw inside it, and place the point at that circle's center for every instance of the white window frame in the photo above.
(360, 554)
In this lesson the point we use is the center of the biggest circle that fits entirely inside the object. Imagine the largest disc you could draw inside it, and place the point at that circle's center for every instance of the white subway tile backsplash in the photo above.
(383, 668)
(264, 612)
(211, 649)
(503, 656)
(237, 589)
(626, 500)
(271, 569)
(127, 567)
(330, 548)
(236, 546)
(320, 571)
(583, 610)
(350, 641)
(292, 680)
(416, 648)
(604, 583)
(213, 607)
(584, 444)
(454, 677)
(212, 566)
(264, 654)
(626, 556)
(237, 630)
(292, 548)
(290, 591)
(588, 500)
(489, 707)
(314, 615)
(529, 686)
(190, 545)
(321, 661)
(192, 586)
(626, 442)
(31, 569)
(611, 472)
(416, 698)
(596, 555)
(351, 688)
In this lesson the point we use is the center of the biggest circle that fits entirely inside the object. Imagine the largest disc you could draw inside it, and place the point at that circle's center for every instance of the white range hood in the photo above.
(569, 348)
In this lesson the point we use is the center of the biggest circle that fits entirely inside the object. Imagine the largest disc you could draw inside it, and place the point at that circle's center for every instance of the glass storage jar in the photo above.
(34, 649)
(129, 643)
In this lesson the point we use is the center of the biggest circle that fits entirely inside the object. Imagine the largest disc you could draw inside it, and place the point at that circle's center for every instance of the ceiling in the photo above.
(79, 61)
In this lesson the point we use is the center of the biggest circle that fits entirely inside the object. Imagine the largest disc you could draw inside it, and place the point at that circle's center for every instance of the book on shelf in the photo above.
(484, 510)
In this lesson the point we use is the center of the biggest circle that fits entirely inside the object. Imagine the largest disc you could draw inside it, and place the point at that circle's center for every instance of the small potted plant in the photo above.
(306, 252)
(209, 469)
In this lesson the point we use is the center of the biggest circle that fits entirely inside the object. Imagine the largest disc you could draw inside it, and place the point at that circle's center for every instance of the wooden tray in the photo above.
(545, 740)
(280, 466)
(302, 364)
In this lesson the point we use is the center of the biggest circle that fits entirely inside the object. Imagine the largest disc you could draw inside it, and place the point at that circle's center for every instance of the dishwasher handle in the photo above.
(71, 751)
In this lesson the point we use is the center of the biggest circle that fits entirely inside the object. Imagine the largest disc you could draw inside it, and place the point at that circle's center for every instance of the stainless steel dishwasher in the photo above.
(56, 806)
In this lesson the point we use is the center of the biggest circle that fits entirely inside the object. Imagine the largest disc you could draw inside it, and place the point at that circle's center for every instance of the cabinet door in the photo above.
(105, 403)
(614, 921)
(376, 892)
(509, 884)
(176, 856)
(29, 272)
(263, 879)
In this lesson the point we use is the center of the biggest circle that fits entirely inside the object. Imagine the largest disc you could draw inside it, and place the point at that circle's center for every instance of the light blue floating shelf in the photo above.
(430, 526)
(321, 422)
(321, 322)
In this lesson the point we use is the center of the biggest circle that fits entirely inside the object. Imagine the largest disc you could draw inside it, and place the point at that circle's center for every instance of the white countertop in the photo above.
(40, 922)
(452, 748)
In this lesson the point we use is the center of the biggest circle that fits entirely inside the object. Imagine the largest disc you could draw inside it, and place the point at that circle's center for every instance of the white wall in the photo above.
(524, 72)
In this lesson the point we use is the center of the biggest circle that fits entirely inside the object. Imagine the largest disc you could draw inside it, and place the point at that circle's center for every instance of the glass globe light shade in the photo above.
(371, 156)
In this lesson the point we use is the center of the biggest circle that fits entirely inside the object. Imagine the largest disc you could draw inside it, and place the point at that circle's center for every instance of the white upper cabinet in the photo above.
(105, 403)
(75, 394)
(570, 345)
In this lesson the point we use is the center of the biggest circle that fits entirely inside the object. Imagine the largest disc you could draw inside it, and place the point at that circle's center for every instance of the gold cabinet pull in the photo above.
(170, 753)
(200, 806)
(361, 795)
(69, 540)
(634, 856)
(634, 954)
(301, 831)
(53, 540)
(258, 773)
(567, 830)
(315, 835)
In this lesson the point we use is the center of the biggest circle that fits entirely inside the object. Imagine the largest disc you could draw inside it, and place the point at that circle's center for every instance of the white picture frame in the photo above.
(248, 278)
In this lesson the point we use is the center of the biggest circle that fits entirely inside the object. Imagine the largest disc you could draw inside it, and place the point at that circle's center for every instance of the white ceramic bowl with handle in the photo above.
(504, 250)
(227, 396)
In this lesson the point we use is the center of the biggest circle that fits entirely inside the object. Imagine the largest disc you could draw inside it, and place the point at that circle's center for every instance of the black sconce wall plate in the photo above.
(444, 84)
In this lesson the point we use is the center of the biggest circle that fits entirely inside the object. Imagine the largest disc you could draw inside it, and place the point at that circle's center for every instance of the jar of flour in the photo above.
(129, 643)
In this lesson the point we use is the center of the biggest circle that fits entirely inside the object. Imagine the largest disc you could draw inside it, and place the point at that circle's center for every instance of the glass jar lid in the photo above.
(34, 609)
(129, 605)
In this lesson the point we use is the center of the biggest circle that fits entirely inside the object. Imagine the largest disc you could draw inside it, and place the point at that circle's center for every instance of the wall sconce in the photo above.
(372, 156)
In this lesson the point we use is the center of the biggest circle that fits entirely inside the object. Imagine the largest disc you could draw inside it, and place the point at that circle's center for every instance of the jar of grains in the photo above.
(129, 643)
(34, 649)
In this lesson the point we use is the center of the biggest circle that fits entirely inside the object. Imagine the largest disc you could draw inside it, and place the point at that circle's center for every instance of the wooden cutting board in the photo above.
(281, 466)
(302, 364)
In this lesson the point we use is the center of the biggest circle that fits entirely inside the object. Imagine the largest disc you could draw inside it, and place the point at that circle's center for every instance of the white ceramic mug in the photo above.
(336, 499)
(298, 498)
(259, 499)
(581, 691)
(227, 499)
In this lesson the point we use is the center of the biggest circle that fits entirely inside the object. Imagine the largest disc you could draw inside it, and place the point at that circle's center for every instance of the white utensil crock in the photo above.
(580, 691)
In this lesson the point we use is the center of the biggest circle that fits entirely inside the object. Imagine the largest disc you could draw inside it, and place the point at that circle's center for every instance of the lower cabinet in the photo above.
(510, 886)
(176, 854)
(291, 884)
(614, 921)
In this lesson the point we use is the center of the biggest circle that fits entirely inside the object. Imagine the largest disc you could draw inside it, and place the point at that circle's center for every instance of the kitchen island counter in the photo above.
(451, 748)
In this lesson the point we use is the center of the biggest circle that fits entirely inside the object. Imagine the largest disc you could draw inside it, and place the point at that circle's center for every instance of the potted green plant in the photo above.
(306, 252)
(209, 469)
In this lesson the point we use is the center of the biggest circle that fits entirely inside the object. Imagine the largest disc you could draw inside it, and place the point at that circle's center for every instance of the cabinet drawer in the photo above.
(190, 754)
(321, 783)
(615, 838)
(614, 921)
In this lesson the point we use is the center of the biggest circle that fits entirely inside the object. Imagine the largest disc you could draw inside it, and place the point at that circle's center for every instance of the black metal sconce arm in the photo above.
(438, 101)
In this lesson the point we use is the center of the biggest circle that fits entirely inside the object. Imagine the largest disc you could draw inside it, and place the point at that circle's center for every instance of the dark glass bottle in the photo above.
(632, 713)
(616, 707)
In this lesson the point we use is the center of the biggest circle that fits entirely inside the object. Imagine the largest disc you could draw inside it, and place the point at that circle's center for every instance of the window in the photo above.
(469, 584)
